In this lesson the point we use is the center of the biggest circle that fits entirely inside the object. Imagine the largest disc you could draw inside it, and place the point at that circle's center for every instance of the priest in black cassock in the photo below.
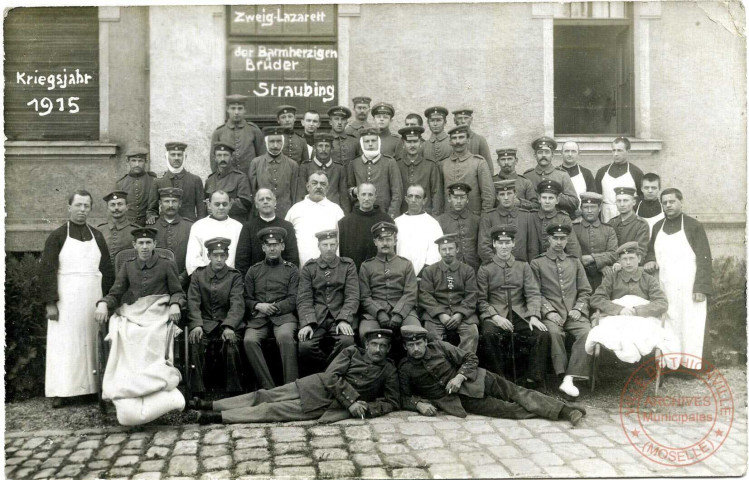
(75, 271)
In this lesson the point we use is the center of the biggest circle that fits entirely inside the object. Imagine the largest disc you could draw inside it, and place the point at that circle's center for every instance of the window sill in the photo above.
(60, 148)
(602, 145)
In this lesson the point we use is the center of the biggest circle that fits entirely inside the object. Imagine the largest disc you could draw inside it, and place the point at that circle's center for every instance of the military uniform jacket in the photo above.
(387, 284)
(328, 289)
(527, 243)
(138, 188)
(351, 377)
(215, 298)
(525, 191)
(337, 184)
(448, 289)
(345, 148)
(542, 219)
(598, 240)
(568, 199)
(136, 279)
(277, 284)
(193, 205)
(355, 127)
(492, 300)
(247, 140)
(383, 173)
(563, 283)
(437, 147)
(466, 225)
(428, 174)
(478, 145)
(473, 171)
(634, 229)
(618, 284)
(236, 185)
(389, 142)
(295, 147)
(174, 236)
(119, 237)
(277, 174)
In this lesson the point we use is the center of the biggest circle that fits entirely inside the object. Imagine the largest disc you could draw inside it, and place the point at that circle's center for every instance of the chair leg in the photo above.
(594, 367)
(101, 365)
(658, 369)
(186, 365)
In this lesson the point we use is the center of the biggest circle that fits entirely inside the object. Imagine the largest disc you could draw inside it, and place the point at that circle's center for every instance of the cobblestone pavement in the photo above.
(400, 445)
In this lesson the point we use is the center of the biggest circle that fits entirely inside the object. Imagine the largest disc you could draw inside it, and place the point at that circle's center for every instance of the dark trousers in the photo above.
(504, 399)
(495, 350)
(217, 364)
(280, 404)
(285, 335)
(579, 360)
(316, 353)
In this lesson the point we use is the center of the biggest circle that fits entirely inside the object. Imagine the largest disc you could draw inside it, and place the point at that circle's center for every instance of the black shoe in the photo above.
(197, 404)
(577, 406)
(575, 417)
(206, 418)
(59, 402)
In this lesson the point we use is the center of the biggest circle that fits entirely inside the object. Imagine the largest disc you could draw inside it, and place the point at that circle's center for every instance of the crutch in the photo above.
(508, 290)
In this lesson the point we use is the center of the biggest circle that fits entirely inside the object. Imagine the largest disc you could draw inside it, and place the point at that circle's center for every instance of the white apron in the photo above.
(608, 184)
(652, 220)
(579, 183)
(71, 340)
(678, 267)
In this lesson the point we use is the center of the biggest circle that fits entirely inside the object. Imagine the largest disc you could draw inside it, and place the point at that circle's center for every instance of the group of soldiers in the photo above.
(326, 241)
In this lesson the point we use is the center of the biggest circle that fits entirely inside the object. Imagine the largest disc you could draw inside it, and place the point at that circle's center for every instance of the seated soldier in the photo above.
(359, 383)
(565, 291)
(270, 289)
(215, 299)
(327, 303)
(493, 279)
(387, 285)
(448, 293)
(438, 376)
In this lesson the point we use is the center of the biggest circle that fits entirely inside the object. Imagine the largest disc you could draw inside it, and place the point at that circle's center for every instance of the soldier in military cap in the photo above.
(383, 114)
(379, 169)
(497, 323)
(365, 386)
(477, 144)
(509, 212)
(231, 181)
(629, 227)
(361, 113)
(345, 144)
(215, 303)
(275, 171)
(545, 170)
(448, 296)
(294, 146)
(525, 191)
(415, 169)
(458, 219)
(192, 204)
(598, 241)
(270, 291)
(549, 193)
(244, 137)
(465, 167)
(327, 303)
(437, 147)
(173, 231)
(387, 285)
(564, 308)
(118, 230)
(137, 184)
(336, 172)
(146, 274)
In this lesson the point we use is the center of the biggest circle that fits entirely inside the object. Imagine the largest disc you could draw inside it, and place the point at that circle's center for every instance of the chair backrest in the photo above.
(125, 255)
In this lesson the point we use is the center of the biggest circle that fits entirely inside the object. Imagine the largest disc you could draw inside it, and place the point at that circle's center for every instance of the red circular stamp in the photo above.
(676, 428)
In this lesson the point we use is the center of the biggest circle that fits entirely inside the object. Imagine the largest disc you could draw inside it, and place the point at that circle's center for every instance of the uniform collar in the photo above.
(176, 175)
(595, 224)
(631, 219)
(136, 175)
(343, 135)
(509, 176)
(541, 171)
(374, 160)
(508, 212)
(416, 161)
(220, 274)
(148, 263)
(542, 214)
(118, 226)
(228, 172)
(449, 268)
(274, 262)
(385, 132)
(630, 277)
(385, 258)
(242, 123)
(177, 219)
(462, 214)
(323, 264)
(454, 156)
(323, 165)
(503, 263)
(438, 138)
(554, 256)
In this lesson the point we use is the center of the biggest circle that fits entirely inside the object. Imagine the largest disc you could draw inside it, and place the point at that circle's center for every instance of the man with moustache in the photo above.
(417, 170)
(581, 177)
(137, 184)
(464, 167)
(117, 231)
(477, 144)
(275, 171)
(354, 229)
(192, 206)
(383, 114)
(378, 169)
(525, 191)
(336, 172)
(545, 170)
(173, 231)
(244, 137)
(231, 181)
(361, 114)
(619, 173)
(294, 146)
(345, 144)
(508, 212)
(437, 146)
(217, 224)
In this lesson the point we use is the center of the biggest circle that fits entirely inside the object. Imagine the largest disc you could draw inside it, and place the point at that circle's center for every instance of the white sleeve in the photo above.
(194, 257)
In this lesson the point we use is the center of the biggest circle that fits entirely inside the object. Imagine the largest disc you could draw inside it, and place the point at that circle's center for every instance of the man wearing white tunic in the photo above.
(75, 271)
(619, 173)
(313, 214)
(680, 251)
(417, 231)
(217, 224)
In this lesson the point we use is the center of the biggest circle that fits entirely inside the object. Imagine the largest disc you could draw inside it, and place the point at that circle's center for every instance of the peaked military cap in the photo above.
(544, 142)
(624, 140)
(413, 332)
(591, 198)
(414, 131)
(272, 233)
(629, 247)
(549, 185)
(459, 188)
(438, 110)
(175, 146)
(383, 107)
(463, 111)
(378, 333)
(137, 152)
(326, 234)
(223, 147)
(236, 99)
(504, 185)
(218, 243)
(323, 137)
(625, 191)
(339, 110)
(380, 229)
(275, 130)
(449, 238)
(144, 232)
(558, 228)
(507, 152)
(116, 195)
(369, 131)
(357, 100)
(458, 129)
(170, 192)
(285, 109)
(507, 230)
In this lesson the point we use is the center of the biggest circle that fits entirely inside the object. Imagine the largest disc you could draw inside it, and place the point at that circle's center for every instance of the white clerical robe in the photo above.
(416, 236)
(206, 229)
(308, 218)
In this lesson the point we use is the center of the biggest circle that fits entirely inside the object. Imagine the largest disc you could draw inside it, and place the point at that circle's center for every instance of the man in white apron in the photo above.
(619, 173)
(649, 208)
(75, 270)
(581, 177)
(679, 249)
